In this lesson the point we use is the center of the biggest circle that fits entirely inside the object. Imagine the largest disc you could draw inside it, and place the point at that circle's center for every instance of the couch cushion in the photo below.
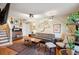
(43, 36)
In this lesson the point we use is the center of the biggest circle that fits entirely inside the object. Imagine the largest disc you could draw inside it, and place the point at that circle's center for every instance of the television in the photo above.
(4, 14)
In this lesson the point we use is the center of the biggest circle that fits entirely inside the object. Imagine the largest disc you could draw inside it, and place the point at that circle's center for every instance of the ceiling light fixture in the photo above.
(31, 15)
(51, 13)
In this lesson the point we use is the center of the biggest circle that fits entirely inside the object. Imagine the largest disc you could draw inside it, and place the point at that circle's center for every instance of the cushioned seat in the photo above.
(60, 44)
(50, 45)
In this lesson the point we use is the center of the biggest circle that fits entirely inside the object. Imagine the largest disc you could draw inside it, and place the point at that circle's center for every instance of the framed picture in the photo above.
(56, 28)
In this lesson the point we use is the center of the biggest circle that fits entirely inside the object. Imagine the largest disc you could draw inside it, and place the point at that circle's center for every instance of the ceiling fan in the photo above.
(31, 15)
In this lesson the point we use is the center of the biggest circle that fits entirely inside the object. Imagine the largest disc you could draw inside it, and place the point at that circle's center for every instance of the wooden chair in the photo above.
(60, 44)
(65, 52)
(28, 43)
(41, 44)
(64, 45)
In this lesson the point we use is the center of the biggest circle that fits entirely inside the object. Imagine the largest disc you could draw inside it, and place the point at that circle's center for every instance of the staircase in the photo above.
(4, 39)
(5, 32)
(4, 35)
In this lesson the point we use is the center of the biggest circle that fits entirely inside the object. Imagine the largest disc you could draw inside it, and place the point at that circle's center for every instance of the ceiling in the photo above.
(44, 8)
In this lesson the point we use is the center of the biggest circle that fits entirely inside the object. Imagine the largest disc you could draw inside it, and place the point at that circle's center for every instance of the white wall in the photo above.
(56, 20)
(18, 15)
(26, 29)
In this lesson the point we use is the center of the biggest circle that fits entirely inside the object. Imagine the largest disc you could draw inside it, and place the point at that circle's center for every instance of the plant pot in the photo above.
(72, 52)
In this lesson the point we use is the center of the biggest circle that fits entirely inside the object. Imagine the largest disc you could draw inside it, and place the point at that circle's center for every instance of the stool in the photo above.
(50, 46)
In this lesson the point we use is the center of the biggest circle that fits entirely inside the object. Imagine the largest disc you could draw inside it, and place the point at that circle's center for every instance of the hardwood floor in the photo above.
(18, 48)
(7, 51)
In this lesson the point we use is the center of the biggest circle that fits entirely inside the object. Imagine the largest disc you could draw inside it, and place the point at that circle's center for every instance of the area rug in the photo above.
(18, 47)
(27, 51)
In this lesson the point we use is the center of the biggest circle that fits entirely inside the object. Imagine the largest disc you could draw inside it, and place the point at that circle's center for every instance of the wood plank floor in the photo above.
(7, 51)
(18, 48)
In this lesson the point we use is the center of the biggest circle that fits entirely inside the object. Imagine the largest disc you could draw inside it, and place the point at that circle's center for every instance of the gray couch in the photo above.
(44, 36)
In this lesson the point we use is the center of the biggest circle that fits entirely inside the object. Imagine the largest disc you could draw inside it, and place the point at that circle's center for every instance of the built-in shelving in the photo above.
(16, 33)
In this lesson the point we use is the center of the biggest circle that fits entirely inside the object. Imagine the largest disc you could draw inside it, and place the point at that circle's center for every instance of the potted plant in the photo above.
(71, 45)
(77, 34)
(73, 18)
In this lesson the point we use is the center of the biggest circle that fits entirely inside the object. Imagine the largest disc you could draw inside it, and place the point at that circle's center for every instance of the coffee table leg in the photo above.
(45, 50)
(50, 52)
